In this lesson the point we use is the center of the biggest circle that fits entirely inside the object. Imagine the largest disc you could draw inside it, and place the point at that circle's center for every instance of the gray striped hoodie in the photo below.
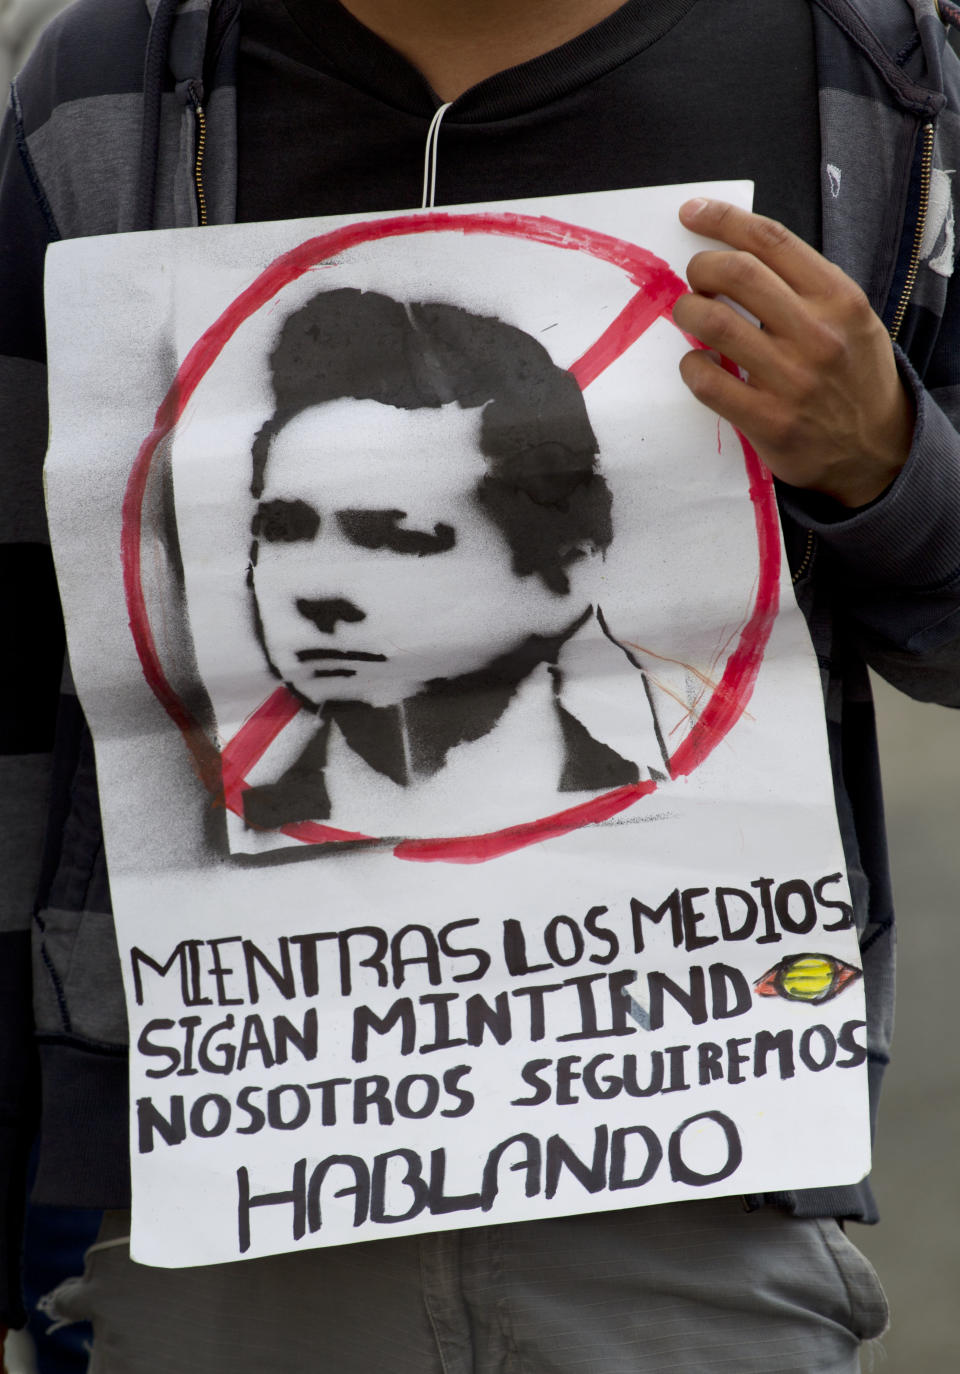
(125, 119)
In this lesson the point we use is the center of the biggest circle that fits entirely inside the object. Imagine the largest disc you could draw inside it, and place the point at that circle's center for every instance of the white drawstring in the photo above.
(430, 159)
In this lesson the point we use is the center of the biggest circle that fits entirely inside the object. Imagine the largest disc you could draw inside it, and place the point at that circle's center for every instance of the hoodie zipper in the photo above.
(926, 171)
(806, 559)
(201, 119)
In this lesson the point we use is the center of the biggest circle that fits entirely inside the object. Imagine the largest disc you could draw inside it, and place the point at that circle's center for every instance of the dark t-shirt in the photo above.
(333, 120)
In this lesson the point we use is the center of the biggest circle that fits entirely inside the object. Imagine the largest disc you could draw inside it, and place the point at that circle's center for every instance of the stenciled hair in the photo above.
(542, 488)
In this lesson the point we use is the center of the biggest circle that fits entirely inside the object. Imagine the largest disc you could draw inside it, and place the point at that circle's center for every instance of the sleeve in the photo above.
(892, 568)
(31, 636)
(894, 565)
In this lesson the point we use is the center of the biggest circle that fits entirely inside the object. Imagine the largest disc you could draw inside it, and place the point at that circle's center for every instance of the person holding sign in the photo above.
(129, 118)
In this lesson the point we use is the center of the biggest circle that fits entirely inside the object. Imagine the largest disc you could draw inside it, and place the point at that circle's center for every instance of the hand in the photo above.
(824, 405)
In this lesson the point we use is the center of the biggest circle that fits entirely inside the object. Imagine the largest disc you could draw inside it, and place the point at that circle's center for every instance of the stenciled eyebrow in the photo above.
(285, 522)
(380, 529)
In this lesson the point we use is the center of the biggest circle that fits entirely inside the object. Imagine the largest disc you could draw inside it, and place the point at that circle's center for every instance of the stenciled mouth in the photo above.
(337, 656)
(318, 655)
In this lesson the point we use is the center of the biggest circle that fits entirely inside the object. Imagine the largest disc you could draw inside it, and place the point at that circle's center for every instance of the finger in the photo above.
(719, 326)
(751, 411)
(752, 284)
(799, 265)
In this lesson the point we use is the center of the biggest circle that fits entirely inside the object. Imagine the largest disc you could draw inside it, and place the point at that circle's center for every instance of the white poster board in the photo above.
(461, 747)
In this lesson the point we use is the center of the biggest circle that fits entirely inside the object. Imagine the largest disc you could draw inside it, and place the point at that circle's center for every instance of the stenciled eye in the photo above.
(812, 978)
(285, 522)
(380, 529)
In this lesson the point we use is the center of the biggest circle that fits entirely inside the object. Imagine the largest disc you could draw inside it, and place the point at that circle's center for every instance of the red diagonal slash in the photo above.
(658, 287)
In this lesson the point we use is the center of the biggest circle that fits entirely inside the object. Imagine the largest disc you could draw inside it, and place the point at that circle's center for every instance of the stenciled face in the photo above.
(376, 570)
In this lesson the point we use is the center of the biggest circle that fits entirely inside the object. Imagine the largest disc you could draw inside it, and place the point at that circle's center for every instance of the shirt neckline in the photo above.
(347, 47)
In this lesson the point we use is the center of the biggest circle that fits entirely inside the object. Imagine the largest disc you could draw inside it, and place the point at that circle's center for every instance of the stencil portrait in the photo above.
(428, 517)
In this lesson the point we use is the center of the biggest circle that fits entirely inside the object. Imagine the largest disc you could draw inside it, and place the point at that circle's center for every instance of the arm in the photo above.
(864, 456)
(32, 640)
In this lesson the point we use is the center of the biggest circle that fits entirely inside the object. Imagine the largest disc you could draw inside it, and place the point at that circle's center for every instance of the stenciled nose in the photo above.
(326, 615)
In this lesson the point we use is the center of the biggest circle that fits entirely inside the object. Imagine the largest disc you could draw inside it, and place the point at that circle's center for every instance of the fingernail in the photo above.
(692, 208)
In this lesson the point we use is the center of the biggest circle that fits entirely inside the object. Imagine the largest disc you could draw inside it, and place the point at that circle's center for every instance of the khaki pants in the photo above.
(690, 1288)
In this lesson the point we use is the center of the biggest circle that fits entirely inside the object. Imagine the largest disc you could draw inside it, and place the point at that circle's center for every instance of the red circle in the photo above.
(658, 287)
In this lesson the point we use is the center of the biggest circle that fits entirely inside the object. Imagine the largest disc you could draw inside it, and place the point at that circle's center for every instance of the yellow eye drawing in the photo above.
(812, 978)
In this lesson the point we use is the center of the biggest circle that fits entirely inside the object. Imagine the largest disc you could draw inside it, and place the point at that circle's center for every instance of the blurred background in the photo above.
(21, 22)
(916, 1248)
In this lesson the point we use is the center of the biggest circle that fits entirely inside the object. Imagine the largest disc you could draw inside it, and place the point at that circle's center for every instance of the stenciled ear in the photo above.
(574, 567)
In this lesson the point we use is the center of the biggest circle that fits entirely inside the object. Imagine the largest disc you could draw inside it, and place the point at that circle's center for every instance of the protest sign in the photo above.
(461, 749)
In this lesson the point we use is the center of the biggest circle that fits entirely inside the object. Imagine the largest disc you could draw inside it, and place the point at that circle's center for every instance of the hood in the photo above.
(903, 40)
